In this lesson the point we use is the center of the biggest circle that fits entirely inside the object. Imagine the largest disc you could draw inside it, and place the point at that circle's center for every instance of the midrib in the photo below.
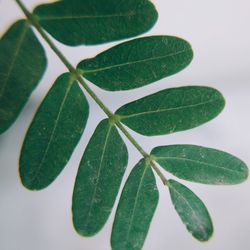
(167, 109)
(85, 72)
(98, 174)
(136, 200)
(199, 162)
(191, 208)
(18, 47)
(50, 18)
(52, 132)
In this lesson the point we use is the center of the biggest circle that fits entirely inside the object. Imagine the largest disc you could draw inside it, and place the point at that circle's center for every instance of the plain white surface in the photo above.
(220, 36)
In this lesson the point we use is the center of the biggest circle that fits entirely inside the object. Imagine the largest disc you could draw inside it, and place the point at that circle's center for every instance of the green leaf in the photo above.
(135, 210)
(89, 22)
(200, 164)
(137, 63)
(172, 110)
(22, 64)
(98, 179)
(54, 133)
(191, 210)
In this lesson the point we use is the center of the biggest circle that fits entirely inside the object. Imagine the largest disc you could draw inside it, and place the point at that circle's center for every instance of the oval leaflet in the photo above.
(136, 208)
(200, 164)
(53, 134)
(138, 62)
(172, 110)
(191, 210)
(19, 75)
(92, 22)
(98, 179)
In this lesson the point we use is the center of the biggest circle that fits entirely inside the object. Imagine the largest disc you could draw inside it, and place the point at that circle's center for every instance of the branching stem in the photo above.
(32, 19)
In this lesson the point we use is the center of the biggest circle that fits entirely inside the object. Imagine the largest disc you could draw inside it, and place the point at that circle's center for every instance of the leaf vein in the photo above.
(167, 109)
(135, 204)
(18, 47)
(98, 174)
(84, 72)
(199, 224)
(51, 18)
(52, 132)
(199, 162)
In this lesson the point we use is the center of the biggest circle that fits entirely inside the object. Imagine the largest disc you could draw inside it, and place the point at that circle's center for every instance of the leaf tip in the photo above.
(204, 237)
(245, 171)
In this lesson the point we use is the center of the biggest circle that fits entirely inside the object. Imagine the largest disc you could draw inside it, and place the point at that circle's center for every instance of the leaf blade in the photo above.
(53, 134)
(191, 210)
(200, 164)
(172, 110)
(135, 209)
(93, 22)
(19, 74)
(98, 179)
(137, 62)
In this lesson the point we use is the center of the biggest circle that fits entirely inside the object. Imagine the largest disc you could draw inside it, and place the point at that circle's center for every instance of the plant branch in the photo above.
(71, 68)
(32, 19)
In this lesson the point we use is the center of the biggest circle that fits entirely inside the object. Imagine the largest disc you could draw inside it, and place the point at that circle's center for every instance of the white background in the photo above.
(219, 33)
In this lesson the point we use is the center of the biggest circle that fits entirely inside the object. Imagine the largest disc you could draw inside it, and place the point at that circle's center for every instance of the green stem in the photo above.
(32, 19)
(71, 68)
(132, 140)
(159, 173)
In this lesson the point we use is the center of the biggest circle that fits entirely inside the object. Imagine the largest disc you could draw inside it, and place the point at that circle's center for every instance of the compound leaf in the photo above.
(54, 133)
(137, 63)
(89, 22)
(98, 179)
(22, 64)
(191, 210)
(135, 210)
(200, 164)
(172, 110)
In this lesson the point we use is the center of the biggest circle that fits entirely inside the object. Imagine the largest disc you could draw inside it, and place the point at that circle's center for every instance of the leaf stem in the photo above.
(159, 173)
(32, 19)
(71, 68)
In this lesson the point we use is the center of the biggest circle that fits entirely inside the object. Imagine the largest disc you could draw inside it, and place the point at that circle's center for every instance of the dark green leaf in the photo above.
(54, 133)
(135, 209)
(22, 64)
(89, 22)
(192, 211)
(172, 110)
(137, 63)
(98, 179)
(199, 164)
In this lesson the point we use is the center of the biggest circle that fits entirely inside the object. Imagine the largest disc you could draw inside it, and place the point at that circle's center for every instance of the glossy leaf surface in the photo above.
(135, 209)
(54, 133)
(22, 64)
(137, 63)
(172, 110)
(89, 22)
(200, 164)
(98, 179)
(191, 210)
